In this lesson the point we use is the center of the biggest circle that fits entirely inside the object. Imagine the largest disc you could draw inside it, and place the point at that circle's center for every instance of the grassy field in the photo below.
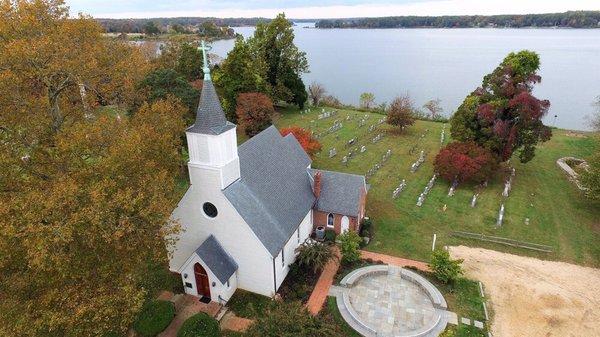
(559, 215)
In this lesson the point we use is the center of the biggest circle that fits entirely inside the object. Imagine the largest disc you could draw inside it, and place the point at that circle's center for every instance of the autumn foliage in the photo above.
(503, 115)
(80, 221)
(465, 161)
(254, 112)
(401, 112)
(306, 140)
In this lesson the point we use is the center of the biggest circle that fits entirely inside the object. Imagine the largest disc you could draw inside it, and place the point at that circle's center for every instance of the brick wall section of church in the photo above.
(320, 219)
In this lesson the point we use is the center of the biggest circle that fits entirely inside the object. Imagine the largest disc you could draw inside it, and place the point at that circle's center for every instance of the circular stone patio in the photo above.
(384, 300)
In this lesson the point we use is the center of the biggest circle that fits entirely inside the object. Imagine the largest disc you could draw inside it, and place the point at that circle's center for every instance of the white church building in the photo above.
(249, 207)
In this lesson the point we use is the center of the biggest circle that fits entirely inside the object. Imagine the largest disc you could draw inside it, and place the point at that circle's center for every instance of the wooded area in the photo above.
(572, 19)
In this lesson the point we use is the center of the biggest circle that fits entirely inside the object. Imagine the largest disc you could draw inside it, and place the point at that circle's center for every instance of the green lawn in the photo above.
(559, 215)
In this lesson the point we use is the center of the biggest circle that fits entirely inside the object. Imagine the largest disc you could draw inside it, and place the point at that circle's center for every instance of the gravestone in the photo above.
(363, 149)
(500, 216)
(345, 160)
(332, 152)
(453, 188)
(420, 200)
(474, 200)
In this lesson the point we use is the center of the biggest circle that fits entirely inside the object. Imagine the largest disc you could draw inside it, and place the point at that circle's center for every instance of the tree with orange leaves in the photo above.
(86, 188)
(306, 140)
(254, 112)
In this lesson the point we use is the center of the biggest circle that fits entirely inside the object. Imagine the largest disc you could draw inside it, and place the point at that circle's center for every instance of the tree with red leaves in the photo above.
(465, 161)
(306, 140)
(254, 112)
(502, 115)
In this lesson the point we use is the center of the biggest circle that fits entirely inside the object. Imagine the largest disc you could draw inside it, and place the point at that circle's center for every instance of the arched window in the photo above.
(330, 220)
(209, 210)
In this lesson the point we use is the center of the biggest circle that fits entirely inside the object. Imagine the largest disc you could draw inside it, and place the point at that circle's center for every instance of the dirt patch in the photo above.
(531, 297)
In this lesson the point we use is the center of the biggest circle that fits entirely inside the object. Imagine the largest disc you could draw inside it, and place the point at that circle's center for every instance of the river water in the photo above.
(448, 64)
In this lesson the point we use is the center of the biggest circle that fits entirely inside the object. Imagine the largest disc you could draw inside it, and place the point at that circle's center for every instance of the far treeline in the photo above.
(139, 25)
(572, 19)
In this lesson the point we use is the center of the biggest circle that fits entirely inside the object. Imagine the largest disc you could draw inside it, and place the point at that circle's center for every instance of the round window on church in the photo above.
(210, 210)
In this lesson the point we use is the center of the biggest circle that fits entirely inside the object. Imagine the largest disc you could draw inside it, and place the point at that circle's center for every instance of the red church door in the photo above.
(202, 284)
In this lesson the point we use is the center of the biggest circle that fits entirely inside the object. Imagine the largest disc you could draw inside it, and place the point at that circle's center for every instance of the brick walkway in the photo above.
(319, 294)
(186, 306)
(393, 260)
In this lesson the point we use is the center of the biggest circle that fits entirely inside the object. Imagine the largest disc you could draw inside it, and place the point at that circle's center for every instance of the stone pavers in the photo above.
(234, 323)
(319, 294)
(452, 317)
(186, 306)
(391, 305)
(394, 260)
(383, 301)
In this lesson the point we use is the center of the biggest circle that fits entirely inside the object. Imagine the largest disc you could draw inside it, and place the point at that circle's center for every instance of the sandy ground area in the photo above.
(531, 297)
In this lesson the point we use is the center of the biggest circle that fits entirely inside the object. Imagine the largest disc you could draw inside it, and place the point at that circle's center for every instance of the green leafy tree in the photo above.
(290, 319)
(502, 115)
(367, 99)
(314, 255)
(162, 83)
(273, 44)
(298, 90)
(183, 57)
(240, 72)
(349, 246)
(150, 28)
(444, 268)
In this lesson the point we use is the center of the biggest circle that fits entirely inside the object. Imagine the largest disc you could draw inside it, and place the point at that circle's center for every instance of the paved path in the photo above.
(186, 306)
(234, 323)
(394, 260)
(319, 294)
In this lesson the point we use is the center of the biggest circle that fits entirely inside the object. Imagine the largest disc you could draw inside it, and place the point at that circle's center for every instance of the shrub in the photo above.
(154, 317)
(465, 161)
(314, 255)
(289, 319)
(254, 112)
(350, 244)
(445, 269)
(365, 227)
(199, 325)
(330, 235)
(310, 144)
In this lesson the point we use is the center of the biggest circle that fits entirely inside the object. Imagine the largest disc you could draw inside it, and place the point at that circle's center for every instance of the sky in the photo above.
(307, 9)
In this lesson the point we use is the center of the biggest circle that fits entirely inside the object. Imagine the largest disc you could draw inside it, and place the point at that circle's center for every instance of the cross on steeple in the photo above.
(205, 48)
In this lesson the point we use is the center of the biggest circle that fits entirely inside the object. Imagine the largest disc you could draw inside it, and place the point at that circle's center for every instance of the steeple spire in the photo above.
(205, 48)
(210, 118)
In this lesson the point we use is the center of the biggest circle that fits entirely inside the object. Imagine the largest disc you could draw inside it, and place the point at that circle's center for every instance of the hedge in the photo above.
(199, 325)
(154, 317)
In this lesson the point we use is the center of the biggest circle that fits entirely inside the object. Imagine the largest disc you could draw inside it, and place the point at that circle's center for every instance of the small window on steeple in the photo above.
(210, 210)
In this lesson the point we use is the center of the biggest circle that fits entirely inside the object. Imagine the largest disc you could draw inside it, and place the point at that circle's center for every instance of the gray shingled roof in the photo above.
(210, 118)
(340, 192)
(274, 193)
(217, 259)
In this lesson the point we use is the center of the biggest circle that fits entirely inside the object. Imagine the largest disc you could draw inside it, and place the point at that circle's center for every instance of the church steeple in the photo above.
(210, 118)
(212, 140)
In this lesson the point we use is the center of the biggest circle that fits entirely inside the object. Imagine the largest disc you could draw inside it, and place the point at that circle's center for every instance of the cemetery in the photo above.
(541, 207)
